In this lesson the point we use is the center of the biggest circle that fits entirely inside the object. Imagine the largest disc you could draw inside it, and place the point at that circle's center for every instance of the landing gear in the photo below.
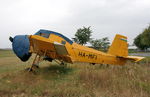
(35, 64)
(60, 63)
(38, 59)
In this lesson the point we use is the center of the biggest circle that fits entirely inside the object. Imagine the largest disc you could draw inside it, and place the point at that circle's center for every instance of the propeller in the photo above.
(11, 39)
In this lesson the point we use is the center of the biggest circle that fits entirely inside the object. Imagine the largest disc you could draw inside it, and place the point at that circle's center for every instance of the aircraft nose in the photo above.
(21, 46)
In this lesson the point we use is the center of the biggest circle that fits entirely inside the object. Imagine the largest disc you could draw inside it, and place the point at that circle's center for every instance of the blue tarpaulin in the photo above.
(21, 46)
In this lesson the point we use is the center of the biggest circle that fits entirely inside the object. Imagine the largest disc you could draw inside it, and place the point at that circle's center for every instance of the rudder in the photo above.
(119, 46)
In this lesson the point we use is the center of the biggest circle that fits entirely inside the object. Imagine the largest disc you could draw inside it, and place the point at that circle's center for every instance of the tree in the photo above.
(142, 41)
(146, 37)
(96, 44)
(138, 42)
(102, 44)
(82, 36)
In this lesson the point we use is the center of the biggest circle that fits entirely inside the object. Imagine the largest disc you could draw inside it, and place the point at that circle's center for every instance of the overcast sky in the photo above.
(106, 17)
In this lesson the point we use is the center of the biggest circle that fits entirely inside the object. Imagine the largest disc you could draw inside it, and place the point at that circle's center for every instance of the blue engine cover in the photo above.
(21, 46)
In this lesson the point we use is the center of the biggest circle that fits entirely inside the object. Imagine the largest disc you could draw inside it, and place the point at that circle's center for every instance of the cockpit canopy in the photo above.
(46, 34)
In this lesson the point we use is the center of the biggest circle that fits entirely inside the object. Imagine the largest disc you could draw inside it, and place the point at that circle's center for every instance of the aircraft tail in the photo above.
(119, 46)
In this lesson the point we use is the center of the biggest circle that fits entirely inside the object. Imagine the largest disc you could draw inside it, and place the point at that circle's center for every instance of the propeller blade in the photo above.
(11, 39)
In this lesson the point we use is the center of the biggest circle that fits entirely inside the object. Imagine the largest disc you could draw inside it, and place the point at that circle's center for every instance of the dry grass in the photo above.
(52, 80)
(127, 81)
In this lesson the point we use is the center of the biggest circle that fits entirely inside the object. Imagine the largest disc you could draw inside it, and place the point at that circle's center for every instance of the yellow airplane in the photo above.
(49, 45)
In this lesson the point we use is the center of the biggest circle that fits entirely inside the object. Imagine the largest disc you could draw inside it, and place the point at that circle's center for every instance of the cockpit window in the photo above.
(46, 35)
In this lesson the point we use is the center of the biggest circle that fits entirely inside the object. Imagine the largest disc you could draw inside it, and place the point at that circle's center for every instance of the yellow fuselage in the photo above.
(76, 52)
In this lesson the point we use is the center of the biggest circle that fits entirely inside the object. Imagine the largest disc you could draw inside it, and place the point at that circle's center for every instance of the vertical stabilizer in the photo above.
(119, 46)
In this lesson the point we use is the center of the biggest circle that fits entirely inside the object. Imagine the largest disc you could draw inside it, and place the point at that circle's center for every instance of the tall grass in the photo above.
(73, 80)
(119, 81)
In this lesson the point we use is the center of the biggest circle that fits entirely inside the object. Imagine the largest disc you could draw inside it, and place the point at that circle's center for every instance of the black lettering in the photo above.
(89, 56)
(92, 56)
(83, 55)
(80, 54)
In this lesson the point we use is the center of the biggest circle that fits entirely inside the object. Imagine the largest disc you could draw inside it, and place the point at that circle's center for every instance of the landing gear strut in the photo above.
(35, 63)
(60, 62)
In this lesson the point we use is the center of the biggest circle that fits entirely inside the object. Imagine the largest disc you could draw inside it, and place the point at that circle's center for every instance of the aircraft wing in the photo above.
(48, 48)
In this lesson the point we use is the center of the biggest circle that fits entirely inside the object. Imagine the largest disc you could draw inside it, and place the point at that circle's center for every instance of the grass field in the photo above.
(53, 80)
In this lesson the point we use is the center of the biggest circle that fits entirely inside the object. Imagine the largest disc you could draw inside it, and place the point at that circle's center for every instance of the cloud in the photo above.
(106, 17)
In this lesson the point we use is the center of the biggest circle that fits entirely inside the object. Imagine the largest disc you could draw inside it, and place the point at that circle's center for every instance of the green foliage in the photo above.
(138, 41)
(82, 36)
(142, 41)
(146, 37)
(102, 44)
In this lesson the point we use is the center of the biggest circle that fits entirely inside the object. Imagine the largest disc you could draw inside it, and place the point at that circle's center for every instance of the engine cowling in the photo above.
(21, 47)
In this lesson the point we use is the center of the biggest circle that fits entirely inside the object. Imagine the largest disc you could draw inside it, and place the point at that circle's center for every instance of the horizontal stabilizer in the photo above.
(135, 58)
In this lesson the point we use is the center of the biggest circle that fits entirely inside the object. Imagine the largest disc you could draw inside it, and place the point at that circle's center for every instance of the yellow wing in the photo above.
(46, 47)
